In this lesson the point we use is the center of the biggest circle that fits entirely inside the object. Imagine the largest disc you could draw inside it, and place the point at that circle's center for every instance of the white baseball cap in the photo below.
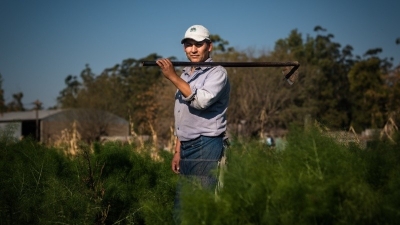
(197, 33)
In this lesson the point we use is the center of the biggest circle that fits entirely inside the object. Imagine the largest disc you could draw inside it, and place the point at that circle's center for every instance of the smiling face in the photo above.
(197, 51)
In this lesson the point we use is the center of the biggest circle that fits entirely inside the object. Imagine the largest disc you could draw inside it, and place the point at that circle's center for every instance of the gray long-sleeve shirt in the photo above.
(204, 111)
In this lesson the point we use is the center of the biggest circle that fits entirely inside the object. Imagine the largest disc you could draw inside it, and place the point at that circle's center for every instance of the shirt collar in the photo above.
(200, 67)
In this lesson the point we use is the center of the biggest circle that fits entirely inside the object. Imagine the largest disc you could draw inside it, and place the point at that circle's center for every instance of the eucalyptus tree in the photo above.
(16, 104)
(323, 76)
(367, 94)
(374, 90)
(68, 96)
(125, 89)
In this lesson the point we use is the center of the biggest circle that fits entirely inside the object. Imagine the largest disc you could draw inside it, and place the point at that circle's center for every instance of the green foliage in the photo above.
(16, 104)
(315, 180)
(137, 189)
(38, 186)
(219, 44)
(323, 80)
(368, 94)
(114, 185)
(126, 89)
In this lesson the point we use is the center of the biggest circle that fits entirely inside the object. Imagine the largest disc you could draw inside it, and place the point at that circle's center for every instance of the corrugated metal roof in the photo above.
(27, 115)
(86, 115)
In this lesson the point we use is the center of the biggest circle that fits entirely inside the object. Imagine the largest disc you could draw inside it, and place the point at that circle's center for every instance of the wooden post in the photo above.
(38, 105)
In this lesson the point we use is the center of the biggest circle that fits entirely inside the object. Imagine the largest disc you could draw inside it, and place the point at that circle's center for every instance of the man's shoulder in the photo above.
(217, 69)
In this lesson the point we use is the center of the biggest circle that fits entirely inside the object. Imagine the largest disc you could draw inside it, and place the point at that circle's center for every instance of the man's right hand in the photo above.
(167, 68)
(175, 162)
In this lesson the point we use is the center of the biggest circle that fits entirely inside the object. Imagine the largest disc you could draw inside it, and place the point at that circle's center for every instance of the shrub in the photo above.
(113, 185)
(315, 180)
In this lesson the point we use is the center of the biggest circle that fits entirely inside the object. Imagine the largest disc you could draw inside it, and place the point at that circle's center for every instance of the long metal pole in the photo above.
(295, 64)
(227, 64)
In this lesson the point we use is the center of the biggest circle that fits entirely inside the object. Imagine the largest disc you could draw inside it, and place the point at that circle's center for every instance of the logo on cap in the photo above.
(193, 29)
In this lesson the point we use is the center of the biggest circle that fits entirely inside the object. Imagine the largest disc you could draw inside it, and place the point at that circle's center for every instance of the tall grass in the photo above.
(314, 180)
(111, 185)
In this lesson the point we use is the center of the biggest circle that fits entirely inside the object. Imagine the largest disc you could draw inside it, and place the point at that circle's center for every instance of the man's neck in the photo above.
(192, 69)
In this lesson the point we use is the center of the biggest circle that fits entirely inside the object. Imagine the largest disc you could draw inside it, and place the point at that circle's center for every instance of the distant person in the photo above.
(201, 102)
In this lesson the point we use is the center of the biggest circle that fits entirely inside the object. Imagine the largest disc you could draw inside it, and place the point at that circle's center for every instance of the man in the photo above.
(201, 102)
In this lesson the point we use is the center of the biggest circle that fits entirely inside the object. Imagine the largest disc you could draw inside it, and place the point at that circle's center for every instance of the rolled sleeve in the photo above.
(191, 96)
(209, 90)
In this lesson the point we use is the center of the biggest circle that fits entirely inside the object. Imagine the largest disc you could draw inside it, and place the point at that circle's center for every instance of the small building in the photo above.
(47, 126)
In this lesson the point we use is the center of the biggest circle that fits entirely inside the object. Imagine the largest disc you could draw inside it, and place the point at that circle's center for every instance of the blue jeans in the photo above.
(199, 161)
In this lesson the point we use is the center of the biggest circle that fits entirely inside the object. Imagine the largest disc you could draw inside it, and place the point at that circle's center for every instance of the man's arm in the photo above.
(169, 72)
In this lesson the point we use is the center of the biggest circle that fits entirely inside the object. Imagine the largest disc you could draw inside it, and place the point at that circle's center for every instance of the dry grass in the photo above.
(69, 140)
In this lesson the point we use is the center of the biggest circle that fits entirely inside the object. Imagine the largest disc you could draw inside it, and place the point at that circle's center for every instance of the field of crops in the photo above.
(314, 180)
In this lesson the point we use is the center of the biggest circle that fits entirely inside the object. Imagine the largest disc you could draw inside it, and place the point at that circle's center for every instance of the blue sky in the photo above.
(44, 41)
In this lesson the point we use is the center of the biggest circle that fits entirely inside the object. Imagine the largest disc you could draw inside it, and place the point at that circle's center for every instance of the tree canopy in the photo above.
(334, 87)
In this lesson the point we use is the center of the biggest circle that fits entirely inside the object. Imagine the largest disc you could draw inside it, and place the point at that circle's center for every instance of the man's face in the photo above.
(197, 51)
